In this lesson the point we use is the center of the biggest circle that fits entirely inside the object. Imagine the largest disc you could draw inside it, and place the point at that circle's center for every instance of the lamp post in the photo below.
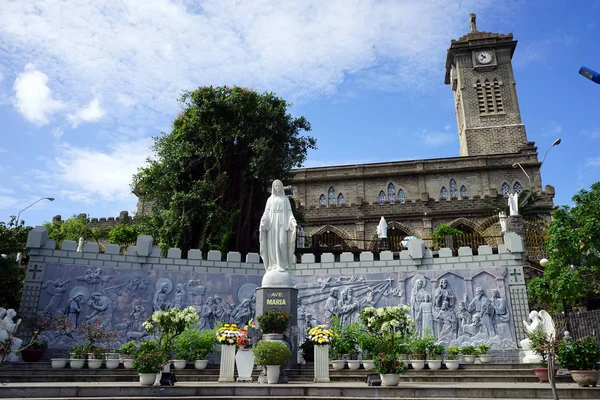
(35, 202)
(532, 184)
(590, 74)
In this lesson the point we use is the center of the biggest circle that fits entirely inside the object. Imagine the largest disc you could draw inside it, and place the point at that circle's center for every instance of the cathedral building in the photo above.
(343, 204)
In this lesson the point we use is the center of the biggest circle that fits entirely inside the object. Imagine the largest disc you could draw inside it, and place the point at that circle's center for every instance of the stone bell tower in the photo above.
(479, 70)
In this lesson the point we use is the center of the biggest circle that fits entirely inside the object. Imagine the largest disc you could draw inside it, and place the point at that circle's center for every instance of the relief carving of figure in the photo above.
(135, 329)
(56, 289)
(444, 294)
(331, 305)
(447, 321)
(416, 298)
(278, 231)
(300, 316)
(463, 318)
(102, 309)
(73, 309)
(349, 307)
(425, 315)
(179, 300)
(207, 315)
(163, 288)
(501, 315)
(487, 316)
(242, 313)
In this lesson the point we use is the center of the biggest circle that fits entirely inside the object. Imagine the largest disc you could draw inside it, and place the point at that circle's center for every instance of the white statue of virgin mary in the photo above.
(277, 238)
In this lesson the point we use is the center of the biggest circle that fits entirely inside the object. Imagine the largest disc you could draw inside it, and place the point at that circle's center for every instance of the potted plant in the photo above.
(418, 350)
(95, 356)
(403, 350)
(389, 368)
(581, 357)
(35, 351)
(321, 338)
(434, 356)
(482, 350)
(272, 354)
(368, 345)
(78, 354)
(128, 351)
(468, 352)
(148, 361)
(59, 360)
(194, 345)
(273, 321)
(451, 359)
(35, 325)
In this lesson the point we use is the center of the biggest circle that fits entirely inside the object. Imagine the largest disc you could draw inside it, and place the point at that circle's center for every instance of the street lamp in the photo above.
(590, 74)
(37, 201)
(532, 184)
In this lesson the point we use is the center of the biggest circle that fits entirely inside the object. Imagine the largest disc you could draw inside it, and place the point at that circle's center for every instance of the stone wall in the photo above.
(124, 290)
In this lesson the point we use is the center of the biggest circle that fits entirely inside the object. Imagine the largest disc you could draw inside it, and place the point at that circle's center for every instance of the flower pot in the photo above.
(32, 355)
(112, 356)
(147, 379)
(354, 364)
(128, 363)
(586, 377)
(272, 336)
(179, 364)
(200, 364)
(368, 365)
(452, 365)
(77, 363)
(469, 358)
(338, 364)
(542, 373)
(485, 358)
(273, 373)
(58, 363)
(94, 363)
(112, 363)
(390, 379)
(244, 363)
(418, 364)
(434, 364)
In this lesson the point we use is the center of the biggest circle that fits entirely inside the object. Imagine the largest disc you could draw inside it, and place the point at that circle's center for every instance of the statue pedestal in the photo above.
(277, 279)
(515, 224)
(528, 355)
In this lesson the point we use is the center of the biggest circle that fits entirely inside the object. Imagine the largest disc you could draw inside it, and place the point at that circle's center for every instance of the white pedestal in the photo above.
(321, 363)
(227, 363)
(244, 363)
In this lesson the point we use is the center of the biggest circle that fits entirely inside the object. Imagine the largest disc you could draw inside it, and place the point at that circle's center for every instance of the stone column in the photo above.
(227, 363)
(321, 363)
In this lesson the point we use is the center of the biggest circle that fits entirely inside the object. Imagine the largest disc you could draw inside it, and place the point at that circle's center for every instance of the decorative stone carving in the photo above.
(277, 238)
(78, 296)
(56, 289)
(538, 319)
(179, 301)
(8, 329)
(163, 288)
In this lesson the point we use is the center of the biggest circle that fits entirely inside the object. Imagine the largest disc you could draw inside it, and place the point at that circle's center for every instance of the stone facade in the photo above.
(492, 139)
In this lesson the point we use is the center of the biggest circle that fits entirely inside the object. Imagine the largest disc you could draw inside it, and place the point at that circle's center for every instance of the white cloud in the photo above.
(33, 98)
(84, 174)
(57, 132)
(593, 162)
(435, 139)
(90, 113)
(126, 100)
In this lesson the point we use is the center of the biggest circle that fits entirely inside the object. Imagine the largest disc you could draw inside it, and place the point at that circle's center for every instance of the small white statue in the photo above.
(80, 245)
(513, 203)
(277, 238)
(539, 320)
(19, 258)
(503, 221)
(8, 329)
(382, 229)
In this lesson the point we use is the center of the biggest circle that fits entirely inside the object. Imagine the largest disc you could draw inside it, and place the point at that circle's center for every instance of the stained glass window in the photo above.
(463, 191)
(401, 197)
(391, 192)
(340, 199)
(381, 197)
(331, 197)
(444, 193)
(505, 189)
(453, 188)
(322, 200)
(517, 188)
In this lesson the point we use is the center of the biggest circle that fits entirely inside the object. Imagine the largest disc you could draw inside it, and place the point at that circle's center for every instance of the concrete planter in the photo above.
(353, 364)
(368, 365)
(390, 379)
(58, 363)
(434, 364)
(179, 364)
(452, 365)
(200, 364)
(586, 378)
(338, 364)
(418, 364)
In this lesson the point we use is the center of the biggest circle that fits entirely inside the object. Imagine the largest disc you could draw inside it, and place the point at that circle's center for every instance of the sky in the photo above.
(86, 84)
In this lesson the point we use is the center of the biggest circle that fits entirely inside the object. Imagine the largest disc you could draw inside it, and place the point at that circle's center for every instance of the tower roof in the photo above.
(474, 40)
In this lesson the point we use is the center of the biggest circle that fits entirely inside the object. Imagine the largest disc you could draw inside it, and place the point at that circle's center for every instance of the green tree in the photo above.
(74, 228)
(123, 234)
(208, 181)
(13, 240)
(573, 274)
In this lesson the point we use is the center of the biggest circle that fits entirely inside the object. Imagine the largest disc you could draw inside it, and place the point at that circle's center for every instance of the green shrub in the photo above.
(468, 351)
(194, 344)
(271, 353)
(580, 354)
(274, 321)
(419, 346)
(128, 348)
(452, 352)
(483, 348)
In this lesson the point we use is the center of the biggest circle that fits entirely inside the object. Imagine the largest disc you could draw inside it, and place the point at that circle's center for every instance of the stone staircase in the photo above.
(477, 381)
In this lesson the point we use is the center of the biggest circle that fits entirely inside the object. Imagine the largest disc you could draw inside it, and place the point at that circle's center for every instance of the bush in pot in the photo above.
(418, 349)
(451, 359)
(195, 345)
(389, 368)
(273, 321)
(482, 350)
(434, 356)
(581, 357)
(272, 354)
(468, 352)
(128, 351)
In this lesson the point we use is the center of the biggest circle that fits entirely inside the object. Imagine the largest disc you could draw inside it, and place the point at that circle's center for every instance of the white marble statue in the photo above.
(539, 320)
(513, 203)
(382, 229)
(503, 221)
(8, 329)
(80, 245)
(278, 238)
(19, 258)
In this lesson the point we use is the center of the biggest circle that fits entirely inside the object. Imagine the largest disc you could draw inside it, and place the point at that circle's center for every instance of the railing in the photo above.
(580, 324)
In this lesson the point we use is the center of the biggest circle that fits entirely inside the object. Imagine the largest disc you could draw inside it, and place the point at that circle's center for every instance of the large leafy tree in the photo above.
(208, 181)
(573, 273)
(74, 228)
(13, 240)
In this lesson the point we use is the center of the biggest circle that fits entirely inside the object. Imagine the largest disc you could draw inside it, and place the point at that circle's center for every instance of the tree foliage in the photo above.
(573, 274)
(74, 228)
(13, 240)
(208, 183)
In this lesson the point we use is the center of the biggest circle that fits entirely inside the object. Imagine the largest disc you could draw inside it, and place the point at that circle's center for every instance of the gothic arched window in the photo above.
(453, 188)
(517, 188)
(381, 197)
(463, 191)
(444, 193)
(322, 200)
(391, 192)
(505, 189)
(401, 197)
(340, 199)
(331, 197)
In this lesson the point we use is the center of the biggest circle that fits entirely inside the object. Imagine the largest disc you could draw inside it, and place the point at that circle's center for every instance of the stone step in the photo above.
(350, 391)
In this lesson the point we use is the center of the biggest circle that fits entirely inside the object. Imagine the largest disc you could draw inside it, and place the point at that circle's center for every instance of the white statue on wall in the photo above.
(382, 229)
(503, 221)
(277, 238)
(539, 320)
(513, 203)
(80, 245)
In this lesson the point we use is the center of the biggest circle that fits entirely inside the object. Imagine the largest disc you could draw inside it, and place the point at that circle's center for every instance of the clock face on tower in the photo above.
(484, 57)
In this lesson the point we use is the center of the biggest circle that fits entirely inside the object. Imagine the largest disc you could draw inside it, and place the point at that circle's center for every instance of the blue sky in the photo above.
(85, 85)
